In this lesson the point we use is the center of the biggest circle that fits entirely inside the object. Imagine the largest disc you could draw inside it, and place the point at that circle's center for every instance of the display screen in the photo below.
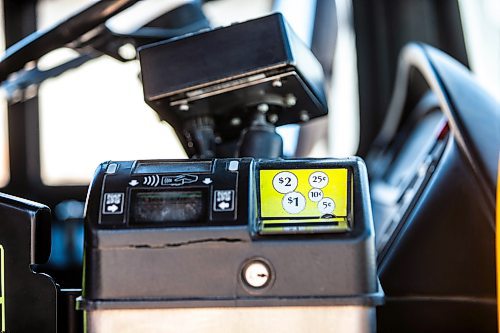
(304, 200)
(168, 207)
(172, 166)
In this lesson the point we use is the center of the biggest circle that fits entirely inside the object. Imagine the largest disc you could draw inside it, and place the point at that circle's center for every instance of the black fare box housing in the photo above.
(222, 72)
(133, 265)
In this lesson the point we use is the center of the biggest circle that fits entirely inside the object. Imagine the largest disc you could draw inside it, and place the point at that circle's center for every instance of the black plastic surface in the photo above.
(440, 256)
(261, 141)
(126, 181)
(30, 298)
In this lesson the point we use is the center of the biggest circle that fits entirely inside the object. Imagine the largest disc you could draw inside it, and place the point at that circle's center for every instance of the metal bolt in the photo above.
(236, 121)
(184, 107)
(256, 274)
(304, 115)
(290, 100)
(127, 51)
(273, 118)
(263, 107)
(277, 83)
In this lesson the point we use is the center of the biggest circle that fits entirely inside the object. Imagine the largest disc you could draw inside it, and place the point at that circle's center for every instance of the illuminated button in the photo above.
(318, 179)
(285, 182)
(233, 166)
(326, 206)
(294, 202)
(112, 168)
(315, 194)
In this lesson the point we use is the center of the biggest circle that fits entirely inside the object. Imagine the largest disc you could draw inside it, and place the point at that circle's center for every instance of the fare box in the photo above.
(304, 193)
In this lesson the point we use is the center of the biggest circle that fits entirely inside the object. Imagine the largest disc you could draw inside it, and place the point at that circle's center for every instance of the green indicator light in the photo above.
(2, 290)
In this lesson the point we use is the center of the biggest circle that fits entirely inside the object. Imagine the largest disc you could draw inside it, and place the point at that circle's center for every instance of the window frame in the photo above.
(20, 20)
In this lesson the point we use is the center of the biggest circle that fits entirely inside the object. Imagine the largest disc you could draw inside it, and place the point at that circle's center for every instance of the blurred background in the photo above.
(96, 112)
(105, 96)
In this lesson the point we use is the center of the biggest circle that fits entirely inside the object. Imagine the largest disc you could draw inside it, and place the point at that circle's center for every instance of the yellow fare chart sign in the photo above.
(2, 291)
(302, 198)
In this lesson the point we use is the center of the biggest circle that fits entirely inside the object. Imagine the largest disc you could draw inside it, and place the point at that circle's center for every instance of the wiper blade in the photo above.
(42, 42)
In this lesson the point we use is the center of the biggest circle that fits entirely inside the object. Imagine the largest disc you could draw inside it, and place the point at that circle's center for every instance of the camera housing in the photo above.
(226, 73)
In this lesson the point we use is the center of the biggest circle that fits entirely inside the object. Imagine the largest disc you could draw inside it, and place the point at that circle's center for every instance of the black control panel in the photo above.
(229, 232)
(173, 193)
(270, 196)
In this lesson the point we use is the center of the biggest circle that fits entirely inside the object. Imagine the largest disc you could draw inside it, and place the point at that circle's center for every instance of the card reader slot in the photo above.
(172, 167)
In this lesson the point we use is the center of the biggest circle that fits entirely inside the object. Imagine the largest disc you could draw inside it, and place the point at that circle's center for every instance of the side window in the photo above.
(343, 126)
(94, 113)
(97, 113)
(481, 24)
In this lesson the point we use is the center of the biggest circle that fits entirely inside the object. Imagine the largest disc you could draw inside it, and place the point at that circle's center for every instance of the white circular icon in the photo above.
(294, 202)
(318, 179)
(285, 182)
(326, 206)
(257, 274)
(315, 195)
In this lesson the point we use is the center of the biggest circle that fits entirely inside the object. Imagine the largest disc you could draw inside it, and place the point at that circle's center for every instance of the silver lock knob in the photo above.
(256, 274)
